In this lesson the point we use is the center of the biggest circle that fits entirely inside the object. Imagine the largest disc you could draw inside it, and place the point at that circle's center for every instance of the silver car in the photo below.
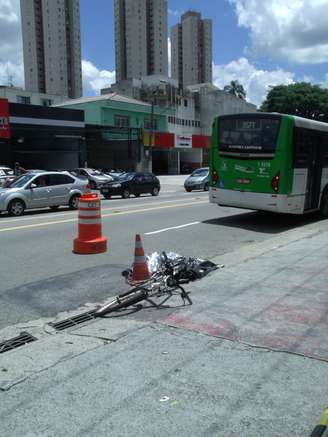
(41, 190)
(198, 180)
(96, 178)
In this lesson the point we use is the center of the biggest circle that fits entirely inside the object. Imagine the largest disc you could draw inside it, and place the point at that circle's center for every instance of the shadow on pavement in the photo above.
(264, 222)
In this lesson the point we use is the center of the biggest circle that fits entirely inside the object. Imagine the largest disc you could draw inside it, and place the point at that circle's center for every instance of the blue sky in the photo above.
(261, 43)
(100, 48)
(250, 39)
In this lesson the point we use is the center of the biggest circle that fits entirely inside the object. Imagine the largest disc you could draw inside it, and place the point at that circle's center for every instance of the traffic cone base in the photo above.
(90, 247)
(140, 272)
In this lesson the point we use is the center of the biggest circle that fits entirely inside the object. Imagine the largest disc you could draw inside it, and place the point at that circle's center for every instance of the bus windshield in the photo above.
(248, 135)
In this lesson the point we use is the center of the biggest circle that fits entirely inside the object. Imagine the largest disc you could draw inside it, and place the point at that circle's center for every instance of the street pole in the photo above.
(150, 139)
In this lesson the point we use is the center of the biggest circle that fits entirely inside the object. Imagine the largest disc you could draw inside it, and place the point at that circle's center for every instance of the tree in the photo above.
(302, 99)
(236, 89)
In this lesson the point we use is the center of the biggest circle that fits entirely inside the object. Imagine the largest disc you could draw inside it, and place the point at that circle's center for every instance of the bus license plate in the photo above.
(244, 181)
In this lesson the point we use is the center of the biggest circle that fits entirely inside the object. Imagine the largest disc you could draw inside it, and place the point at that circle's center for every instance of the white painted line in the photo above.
(173, 227)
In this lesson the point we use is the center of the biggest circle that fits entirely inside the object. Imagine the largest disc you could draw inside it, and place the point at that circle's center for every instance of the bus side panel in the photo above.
(284, 155)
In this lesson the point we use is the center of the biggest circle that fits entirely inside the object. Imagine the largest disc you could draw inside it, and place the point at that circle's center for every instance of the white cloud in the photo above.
(95, 79)
(256, 82)
(295, 29)
(11, 52)
(175, 12)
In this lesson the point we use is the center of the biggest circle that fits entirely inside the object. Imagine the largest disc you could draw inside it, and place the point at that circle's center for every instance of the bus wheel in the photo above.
(324, 204)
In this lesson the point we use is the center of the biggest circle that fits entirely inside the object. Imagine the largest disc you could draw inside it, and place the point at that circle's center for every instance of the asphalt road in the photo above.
(40, 276)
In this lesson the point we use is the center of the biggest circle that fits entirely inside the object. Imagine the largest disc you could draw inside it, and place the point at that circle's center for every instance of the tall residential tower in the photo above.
(191, 50)
(52, 46)
(140, 38)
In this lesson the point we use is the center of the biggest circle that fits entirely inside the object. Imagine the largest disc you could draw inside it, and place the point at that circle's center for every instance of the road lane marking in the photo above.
(37, 225)
(173, 227)
(64, 213)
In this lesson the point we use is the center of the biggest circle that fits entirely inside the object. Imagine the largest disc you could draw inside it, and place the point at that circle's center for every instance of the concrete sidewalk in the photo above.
(249, 358)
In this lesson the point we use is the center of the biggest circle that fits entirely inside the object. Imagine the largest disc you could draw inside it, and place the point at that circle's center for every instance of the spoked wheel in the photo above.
(155, 191)
(121, 302)
(16, 207)
(126, 194)
(74, 201)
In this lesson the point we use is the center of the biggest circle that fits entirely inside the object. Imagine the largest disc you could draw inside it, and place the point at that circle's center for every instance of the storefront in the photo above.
(41, 137)
(178, 154)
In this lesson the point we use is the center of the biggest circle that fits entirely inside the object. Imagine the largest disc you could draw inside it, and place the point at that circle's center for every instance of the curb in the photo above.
(251, 251)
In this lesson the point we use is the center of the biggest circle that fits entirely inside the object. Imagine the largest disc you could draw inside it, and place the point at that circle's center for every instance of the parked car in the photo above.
(96, 177)
(41, 190)
(6, 175)
(198, 180)
(132, 183)
(114, 172)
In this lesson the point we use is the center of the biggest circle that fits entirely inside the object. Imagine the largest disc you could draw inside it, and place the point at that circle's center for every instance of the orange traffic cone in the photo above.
(90, 239)
(140, 270)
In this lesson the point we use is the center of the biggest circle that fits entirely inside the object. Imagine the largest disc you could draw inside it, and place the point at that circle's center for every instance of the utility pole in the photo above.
(150, 139)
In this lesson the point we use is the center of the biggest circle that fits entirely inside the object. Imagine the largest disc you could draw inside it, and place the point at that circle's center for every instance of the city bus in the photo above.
(270, 162)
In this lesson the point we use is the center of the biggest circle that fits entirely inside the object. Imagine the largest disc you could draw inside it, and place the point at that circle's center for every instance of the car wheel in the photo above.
(324, 204)
(155, 191)
(206, 187)
(188, 190)
(54, 207)
(74, 201)
(16, 207)
(126, 194)
(136, 194)
(107, 197)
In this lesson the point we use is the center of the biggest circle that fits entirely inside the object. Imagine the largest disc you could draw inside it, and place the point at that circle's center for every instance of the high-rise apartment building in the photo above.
(191, 50)
(52, 46)
(140, 38)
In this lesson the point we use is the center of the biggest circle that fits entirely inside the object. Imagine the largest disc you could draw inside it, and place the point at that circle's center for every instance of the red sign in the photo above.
(201, 142)
(164, 139)
(4, 119)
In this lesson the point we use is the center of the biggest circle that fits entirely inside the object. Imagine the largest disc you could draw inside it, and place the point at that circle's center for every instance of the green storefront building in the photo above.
(115, 130)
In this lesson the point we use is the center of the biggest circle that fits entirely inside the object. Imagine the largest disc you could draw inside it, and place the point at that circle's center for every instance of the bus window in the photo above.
(248, 135)
(301, 150)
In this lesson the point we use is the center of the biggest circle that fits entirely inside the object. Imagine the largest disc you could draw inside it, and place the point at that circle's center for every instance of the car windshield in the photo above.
(126, 176)
(200, 172)
(96, 173)
(20, 181)
(8, 171)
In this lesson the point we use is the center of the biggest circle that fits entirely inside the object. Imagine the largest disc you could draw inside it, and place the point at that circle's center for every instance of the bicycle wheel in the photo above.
(121, 302)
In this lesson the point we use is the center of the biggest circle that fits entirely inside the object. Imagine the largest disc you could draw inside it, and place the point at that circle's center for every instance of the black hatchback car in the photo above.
(131, 183)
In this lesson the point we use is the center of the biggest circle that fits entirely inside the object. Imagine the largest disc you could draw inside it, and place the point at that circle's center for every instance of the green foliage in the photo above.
(302, 99)
(236, 89)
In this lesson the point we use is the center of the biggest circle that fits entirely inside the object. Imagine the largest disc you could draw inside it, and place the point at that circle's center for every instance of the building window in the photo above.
(147, 124)
(121, 121)
(185, 103)
(23, 99)
(46, 102)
